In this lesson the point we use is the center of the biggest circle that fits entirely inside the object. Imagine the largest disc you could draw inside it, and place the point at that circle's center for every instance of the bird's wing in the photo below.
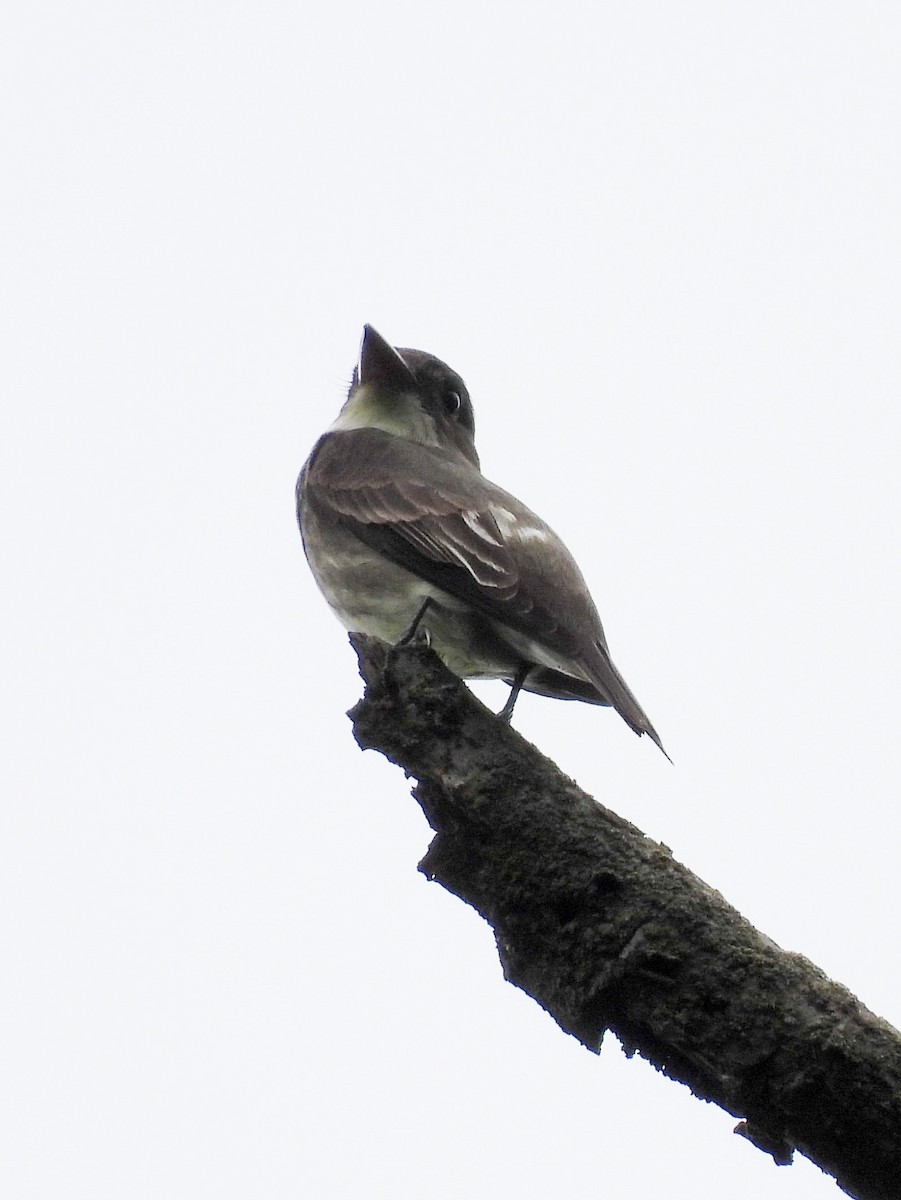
(447, 524)
(469, 537)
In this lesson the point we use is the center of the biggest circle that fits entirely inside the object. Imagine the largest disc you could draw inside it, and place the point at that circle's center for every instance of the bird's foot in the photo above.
(506, 713)
(413, 631)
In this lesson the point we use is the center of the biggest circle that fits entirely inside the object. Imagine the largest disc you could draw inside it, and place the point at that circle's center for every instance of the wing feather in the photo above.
(458, 531)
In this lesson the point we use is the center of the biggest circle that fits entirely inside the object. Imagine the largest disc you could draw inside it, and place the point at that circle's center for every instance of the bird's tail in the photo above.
(610, 683)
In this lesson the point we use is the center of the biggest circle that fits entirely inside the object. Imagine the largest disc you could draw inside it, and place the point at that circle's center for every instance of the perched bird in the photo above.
(403, 532)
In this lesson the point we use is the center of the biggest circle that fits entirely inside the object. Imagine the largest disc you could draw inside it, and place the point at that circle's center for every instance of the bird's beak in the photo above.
(381, 364)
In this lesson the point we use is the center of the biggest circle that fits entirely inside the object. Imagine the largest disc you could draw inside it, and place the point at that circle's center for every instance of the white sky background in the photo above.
(661, 243)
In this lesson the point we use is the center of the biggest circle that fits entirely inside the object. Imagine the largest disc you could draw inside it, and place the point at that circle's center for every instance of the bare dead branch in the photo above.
(607, 931)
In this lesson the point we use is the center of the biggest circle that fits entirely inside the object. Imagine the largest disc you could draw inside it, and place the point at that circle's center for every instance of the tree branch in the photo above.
(607, 931)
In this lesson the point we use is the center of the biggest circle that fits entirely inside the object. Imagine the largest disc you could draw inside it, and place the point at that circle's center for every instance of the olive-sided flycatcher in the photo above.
(403, 531)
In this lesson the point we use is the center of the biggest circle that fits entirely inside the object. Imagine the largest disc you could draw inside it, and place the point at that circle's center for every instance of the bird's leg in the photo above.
(414, 625)
(519, 679)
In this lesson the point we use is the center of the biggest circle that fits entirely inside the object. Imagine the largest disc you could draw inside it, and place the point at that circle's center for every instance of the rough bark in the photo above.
(602, 927)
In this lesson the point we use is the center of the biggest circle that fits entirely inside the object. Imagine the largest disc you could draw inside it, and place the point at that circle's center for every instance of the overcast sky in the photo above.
(661, 242)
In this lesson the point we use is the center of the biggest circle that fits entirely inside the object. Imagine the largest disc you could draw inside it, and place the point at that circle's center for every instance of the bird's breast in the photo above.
(370, 594)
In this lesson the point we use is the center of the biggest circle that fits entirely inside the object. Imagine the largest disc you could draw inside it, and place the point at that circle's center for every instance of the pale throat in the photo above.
(398, 413)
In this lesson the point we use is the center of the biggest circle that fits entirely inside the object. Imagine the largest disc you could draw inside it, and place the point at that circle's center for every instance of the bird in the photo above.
(407, 538)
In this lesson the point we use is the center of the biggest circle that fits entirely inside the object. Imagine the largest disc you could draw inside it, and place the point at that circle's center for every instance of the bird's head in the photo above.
(411, 395)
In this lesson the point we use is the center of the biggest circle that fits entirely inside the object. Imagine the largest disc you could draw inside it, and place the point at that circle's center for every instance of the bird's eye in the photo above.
(452, 403)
